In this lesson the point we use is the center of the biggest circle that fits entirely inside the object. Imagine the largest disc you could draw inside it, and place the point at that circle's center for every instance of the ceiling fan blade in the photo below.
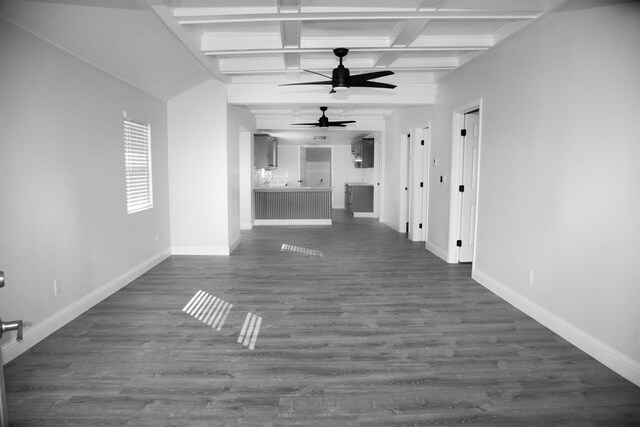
(369, 76)
(373, 84)
(320, 74)
(341, 122)
(305, 124)
(328, 82)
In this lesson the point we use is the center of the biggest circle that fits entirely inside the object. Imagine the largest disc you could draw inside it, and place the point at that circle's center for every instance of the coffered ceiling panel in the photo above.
(259, 45)
(378, 33)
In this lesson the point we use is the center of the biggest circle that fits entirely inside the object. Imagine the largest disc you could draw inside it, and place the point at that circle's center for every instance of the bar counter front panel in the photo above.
(284, 205)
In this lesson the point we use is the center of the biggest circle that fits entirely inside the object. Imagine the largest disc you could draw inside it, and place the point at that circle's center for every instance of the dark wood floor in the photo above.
(375, 332)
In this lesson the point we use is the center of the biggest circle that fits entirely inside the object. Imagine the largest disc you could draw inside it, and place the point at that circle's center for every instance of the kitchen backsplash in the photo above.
(270, 178)
(361, 175)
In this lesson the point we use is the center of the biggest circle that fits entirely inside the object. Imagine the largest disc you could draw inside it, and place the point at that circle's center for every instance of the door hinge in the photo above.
(408, 135)
(421, 184)
(463, 132)
(406, 188)
(422, 142)
(461, 188)
(420, 225)
(407, 228)
(459, 243)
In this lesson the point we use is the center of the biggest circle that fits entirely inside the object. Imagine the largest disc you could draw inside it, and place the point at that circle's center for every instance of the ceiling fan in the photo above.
(323, 122)
(342, 80)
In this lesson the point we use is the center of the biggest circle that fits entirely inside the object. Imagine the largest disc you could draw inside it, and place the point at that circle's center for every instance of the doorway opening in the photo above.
(465, 172)
(315, 167)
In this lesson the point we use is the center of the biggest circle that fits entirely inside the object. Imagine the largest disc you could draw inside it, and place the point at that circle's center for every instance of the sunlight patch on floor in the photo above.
(209, 309)
(300, 250)
(250, 329)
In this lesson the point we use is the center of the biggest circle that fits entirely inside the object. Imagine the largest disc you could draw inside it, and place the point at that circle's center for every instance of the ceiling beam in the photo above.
(430, 68)
(288, 6)
(448, 47)
(193, 18)
(290, 33)
(404, 34)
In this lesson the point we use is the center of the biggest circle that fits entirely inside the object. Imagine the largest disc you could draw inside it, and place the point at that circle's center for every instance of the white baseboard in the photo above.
(394, 227)
(605, 354)
(234, 245)
(437, 250)
(40, 331)
(365, 215)
(200, 250)
(292, 222)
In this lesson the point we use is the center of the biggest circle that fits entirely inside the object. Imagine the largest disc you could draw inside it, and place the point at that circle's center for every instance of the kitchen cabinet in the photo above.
(265, 151)
(358, 198)
(362, 151)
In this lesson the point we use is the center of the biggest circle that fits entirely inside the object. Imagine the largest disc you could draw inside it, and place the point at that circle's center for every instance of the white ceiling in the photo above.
(167, 46)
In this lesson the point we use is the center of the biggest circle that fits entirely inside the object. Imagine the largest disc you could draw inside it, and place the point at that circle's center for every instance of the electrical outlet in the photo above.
(530, 276)
(56, 287)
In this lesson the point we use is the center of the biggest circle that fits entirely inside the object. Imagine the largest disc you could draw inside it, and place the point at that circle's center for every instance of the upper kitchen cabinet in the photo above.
(265, 151)
(362, 150)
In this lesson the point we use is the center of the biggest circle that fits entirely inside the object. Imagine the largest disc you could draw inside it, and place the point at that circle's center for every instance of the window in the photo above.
(137, 157)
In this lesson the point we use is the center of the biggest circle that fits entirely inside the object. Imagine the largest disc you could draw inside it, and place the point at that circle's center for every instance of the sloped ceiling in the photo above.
(123, 38)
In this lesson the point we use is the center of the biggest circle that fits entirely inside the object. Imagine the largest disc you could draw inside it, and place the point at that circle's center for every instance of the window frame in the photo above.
(137, 160)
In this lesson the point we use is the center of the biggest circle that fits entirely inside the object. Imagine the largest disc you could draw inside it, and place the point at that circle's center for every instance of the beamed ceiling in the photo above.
(254, 46)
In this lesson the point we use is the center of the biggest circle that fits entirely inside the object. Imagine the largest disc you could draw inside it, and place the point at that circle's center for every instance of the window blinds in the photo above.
(137, 146)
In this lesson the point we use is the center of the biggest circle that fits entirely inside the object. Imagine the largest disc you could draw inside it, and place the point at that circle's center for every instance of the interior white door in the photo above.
(405, 172)
(14, 325)
(469, 195)
(416, 185)
(4, 417)
(407, 186)
(426, 173)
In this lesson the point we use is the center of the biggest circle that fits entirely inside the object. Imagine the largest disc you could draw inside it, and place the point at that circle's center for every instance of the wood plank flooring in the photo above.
(374, 331)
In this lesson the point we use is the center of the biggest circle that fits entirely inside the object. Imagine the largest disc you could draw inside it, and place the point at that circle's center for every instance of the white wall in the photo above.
(239, 120)
(62, 186)
(400, 123)
(559, 178)
(289, 163)
(246, 177)
(198, 165)
(343, 170)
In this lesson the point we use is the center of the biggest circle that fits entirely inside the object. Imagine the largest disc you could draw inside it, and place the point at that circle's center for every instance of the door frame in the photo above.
(455, 199)
(302, 147)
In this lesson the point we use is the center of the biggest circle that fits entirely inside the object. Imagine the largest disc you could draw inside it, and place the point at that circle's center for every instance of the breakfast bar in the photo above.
(292, 205)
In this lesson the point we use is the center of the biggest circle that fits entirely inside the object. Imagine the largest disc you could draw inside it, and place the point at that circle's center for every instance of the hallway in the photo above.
(363, 328)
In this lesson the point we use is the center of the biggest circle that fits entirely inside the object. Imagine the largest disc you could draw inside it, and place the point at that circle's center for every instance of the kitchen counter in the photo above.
(292, 205)
(292, 189)
(358, 199)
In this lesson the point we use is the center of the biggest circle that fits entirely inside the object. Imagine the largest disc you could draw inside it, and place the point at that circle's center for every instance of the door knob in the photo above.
(14, 325)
